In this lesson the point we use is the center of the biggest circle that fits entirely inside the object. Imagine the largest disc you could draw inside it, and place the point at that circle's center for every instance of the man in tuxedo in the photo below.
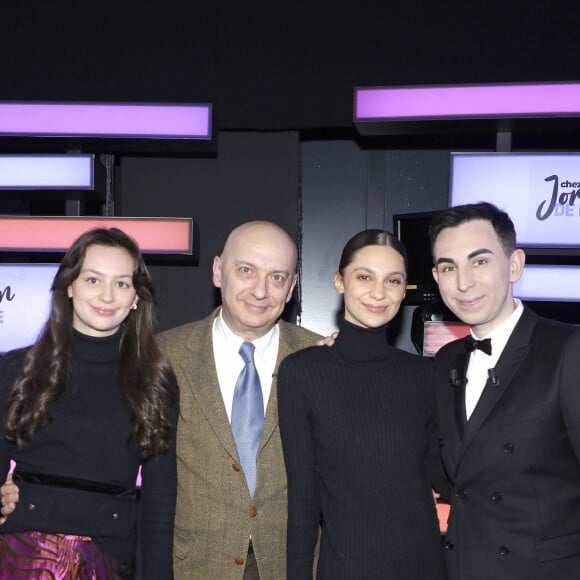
(508, 399)
(230, 521)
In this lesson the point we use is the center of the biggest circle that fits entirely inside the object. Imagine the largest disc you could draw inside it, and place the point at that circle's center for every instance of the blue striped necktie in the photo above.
(248, 415)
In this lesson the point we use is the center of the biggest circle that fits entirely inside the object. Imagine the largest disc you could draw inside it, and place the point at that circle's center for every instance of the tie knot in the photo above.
(483, 345)
(247, 352)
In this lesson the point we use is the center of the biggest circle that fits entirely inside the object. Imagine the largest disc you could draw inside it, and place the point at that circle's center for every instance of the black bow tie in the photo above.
(483, 345)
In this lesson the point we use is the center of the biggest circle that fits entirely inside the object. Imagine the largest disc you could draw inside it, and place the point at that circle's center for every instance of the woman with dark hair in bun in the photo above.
(359, 436)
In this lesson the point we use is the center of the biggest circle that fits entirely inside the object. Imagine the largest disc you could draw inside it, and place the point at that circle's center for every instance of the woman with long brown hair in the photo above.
(83, 409)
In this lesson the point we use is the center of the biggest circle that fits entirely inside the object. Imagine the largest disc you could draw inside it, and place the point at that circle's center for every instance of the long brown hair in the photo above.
(145, 376)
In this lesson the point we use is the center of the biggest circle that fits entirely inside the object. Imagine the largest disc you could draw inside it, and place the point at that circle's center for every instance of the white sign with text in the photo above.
(539, 191)
(24, 302)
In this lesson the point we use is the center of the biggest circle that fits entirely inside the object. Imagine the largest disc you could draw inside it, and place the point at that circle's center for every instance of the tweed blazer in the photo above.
(215, 515)
(515, 464)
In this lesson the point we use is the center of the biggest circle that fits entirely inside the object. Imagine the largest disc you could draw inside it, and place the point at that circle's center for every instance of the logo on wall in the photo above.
(564, 194)
(539, 191)
(6, 295)
(24, 302)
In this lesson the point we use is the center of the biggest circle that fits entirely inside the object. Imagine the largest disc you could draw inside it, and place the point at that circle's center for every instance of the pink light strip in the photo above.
(532, 99)
(146, 121)
(56, 234)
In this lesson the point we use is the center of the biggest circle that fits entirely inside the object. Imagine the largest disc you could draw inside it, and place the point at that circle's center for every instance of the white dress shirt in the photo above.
(229, 363)
(480, 363)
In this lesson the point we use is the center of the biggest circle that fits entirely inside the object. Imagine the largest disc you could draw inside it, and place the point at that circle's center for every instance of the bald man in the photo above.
(223, 529)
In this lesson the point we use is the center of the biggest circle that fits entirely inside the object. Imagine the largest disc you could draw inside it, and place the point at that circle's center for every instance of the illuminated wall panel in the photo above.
(140, 121)
(46, 172)
(55, 234)
(475, 101)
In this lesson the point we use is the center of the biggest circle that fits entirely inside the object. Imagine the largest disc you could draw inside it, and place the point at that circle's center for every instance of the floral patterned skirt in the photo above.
(42, 556)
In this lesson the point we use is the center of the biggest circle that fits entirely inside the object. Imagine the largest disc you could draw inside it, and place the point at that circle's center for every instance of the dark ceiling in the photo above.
(276, 65)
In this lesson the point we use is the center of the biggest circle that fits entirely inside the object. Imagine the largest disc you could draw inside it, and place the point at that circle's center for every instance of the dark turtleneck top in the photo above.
(361, 450)
(88, 439)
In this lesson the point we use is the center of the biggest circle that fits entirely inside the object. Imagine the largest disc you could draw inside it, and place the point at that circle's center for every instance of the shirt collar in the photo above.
(500, 335)
(233, 341)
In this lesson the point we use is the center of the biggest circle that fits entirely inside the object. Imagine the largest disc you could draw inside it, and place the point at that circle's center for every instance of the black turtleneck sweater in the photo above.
(87, 439)
(361, 450)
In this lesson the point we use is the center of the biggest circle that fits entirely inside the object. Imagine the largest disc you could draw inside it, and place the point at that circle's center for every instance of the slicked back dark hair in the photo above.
(460, 214)
(370, 238)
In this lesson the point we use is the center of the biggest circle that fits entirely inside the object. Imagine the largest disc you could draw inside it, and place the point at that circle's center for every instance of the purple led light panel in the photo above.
(146, 121)
(533, 99)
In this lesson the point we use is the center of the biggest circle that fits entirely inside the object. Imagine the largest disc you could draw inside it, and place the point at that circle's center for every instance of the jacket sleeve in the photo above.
(570, 390)
(10, 368)
(434, 463)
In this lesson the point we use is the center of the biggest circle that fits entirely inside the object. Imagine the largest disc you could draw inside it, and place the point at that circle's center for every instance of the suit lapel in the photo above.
(271, 418)
(199, 362)
(456, 408)
(459, 392)
(205, 385)
(508, 364)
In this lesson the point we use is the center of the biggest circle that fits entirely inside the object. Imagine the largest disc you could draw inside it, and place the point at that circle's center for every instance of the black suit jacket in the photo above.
(515, 464)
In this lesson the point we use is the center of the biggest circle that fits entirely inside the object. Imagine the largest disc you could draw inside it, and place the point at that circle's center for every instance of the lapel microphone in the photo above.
(454, 378)
(493, 377)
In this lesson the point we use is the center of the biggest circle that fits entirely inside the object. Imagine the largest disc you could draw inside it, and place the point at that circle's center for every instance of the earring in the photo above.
(134, 307)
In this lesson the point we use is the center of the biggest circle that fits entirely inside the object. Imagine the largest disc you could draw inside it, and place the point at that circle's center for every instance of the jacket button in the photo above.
(496, 496)
(31, 507)
(239, 561)
(508, 448)
(115, 516)
(449, 545)
(236, 467)
(441, 442)
(460, 493)
(253, 512)
(504, 550)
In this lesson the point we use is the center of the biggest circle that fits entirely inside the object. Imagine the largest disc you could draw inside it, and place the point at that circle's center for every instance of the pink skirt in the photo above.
(41, 556)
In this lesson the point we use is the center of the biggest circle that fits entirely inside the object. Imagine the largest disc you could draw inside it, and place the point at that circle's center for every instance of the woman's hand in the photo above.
(328, 340)
(9, 495)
